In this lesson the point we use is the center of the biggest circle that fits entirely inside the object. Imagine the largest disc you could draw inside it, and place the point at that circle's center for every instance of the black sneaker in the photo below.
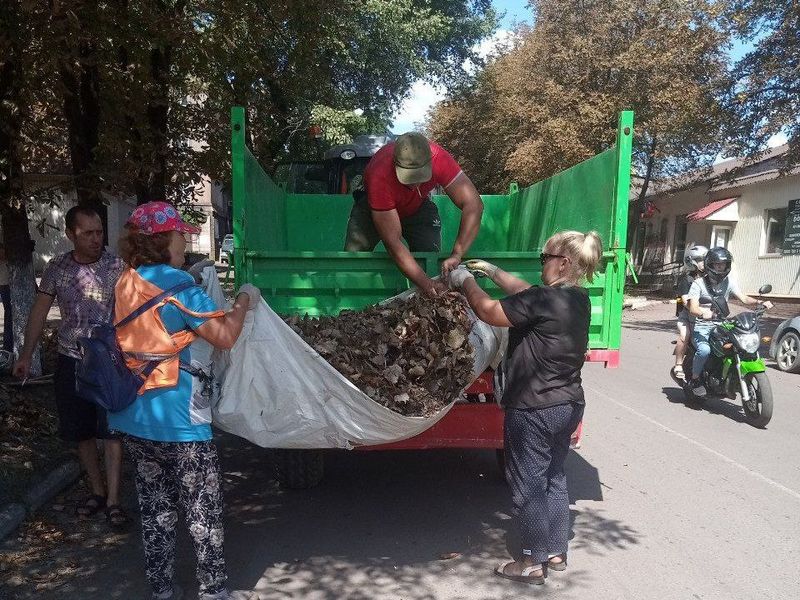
(698, 389)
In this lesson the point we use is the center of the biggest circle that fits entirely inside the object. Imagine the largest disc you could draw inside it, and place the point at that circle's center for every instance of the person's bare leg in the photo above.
(680, 351)
(113, 457)
(87, 454)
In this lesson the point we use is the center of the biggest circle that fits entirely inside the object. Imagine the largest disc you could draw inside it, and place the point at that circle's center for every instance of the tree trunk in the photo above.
(639, 203)
(158, 120)
(80, 79)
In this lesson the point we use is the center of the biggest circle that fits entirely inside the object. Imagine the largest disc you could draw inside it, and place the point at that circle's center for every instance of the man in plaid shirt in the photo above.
(83, 283)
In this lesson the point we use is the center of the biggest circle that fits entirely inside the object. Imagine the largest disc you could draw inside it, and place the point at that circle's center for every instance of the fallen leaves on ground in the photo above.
(412, 356)
(28, 427)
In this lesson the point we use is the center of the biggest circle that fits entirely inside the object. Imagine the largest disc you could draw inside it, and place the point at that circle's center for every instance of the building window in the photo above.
(774, 230)
(679, 238)
(720, 236)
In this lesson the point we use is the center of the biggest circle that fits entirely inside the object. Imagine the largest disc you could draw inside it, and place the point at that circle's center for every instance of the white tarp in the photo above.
(278, 392)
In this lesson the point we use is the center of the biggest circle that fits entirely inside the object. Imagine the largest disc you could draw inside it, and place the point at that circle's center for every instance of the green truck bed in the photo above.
(290, 245)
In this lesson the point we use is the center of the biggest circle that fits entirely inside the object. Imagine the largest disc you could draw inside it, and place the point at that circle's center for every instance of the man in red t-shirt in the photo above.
(396, 204)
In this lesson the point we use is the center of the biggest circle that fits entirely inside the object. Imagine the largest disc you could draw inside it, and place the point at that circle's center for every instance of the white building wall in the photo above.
(119, 209)
(747, 237)
(212, 198)
(783, 272)
(46, 226)
(676, 206)
(46, 223)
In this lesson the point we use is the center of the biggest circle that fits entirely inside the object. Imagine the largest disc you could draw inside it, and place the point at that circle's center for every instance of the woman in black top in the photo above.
(542, 396)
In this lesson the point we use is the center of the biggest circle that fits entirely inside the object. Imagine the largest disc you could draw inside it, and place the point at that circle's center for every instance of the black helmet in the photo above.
(718, 264)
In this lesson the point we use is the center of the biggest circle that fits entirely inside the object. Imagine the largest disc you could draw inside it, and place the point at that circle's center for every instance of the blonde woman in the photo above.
(542, 396)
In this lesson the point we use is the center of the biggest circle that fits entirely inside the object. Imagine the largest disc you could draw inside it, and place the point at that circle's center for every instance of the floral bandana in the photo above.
(158, 217)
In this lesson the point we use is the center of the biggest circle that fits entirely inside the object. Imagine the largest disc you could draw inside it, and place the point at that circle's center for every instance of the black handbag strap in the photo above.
(154, 301)
(715, 296)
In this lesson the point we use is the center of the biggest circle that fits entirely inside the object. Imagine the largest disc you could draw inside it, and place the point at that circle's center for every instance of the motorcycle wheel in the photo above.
(758, 411)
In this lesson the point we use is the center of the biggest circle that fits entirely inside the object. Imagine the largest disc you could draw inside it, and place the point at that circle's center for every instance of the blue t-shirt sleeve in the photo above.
(197, 300)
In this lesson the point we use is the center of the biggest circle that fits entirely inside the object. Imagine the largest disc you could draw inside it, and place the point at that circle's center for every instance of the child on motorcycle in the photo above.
(708, 302)
(693, 266)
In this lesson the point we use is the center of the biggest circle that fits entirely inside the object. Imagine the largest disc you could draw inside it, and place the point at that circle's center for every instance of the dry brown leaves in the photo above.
(412, 356)
(28, 426)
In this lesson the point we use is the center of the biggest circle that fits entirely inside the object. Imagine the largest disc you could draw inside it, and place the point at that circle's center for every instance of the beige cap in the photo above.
(412, 159)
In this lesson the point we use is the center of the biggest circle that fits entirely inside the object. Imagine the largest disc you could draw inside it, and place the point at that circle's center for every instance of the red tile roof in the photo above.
(709, 209)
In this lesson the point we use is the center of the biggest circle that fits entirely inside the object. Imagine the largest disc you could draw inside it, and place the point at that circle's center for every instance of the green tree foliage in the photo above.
(766, 83)
(553, 99)
(284, 60)
(138, 92)
(133, 96)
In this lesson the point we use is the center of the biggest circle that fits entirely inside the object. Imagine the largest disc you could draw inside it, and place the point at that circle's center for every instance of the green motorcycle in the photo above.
(735, 366)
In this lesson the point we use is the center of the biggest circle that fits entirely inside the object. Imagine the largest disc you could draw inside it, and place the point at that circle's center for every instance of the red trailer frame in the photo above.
(478, 424)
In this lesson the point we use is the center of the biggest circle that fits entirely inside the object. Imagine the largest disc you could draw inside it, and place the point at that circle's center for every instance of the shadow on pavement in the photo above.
(655, 325)
(718, 406)
(389, 524)
(418, 525)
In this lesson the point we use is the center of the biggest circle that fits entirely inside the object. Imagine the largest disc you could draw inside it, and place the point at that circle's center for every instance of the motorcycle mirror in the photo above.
(765, 289)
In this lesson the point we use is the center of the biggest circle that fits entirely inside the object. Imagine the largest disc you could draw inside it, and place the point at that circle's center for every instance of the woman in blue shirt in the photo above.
(167, 429)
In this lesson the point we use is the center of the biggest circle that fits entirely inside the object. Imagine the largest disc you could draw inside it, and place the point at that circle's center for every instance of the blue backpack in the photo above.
(102, 375)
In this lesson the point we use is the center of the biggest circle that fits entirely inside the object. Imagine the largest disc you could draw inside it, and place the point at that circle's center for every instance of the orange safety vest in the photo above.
(146, 338)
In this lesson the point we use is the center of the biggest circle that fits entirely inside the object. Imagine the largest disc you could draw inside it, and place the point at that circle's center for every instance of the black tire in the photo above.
(758, 411)
(298, 469)
(787, 355)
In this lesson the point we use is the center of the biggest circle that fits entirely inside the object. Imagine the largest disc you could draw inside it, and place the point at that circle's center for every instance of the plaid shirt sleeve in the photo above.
(49, 277)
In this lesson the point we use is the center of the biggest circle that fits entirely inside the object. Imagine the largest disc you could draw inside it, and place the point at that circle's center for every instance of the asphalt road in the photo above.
(667, 502)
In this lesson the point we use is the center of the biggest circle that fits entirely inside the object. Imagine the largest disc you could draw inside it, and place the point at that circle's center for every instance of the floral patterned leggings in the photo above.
(185, 474)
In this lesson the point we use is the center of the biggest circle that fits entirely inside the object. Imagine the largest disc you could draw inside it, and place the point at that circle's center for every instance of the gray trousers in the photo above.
(536, 445)
(422, 230)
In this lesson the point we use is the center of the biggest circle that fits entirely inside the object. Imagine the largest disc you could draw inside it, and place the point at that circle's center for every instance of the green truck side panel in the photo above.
(290, 245)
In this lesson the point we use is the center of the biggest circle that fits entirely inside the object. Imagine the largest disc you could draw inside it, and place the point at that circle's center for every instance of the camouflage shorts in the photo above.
(422, 230)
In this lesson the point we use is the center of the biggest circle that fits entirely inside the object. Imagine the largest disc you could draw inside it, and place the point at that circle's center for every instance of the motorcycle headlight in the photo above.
(749, 342)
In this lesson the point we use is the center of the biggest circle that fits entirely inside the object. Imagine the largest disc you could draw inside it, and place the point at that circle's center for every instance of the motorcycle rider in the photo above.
(708, 302)
(693, 269)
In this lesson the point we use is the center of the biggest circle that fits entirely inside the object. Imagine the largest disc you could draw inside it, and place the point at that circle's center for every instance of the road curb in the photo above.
(13, 514)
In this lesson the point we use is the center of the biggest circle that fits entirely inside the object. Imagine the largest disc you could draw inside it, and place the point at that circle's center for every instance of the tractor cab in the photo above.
(340, 172)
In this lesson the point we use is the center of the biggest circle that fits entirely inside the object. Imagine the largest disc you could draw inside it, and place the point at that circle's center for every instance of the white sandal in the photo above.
(527, 575)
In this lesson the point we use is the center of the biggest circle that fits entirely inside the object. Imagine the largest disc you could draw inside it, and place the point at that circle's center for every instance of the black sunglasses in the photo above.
(544, 257)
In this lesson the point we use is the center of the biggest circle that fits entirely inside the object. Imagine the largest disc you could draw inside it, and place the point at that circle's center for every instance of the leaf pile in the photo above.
(412, 356)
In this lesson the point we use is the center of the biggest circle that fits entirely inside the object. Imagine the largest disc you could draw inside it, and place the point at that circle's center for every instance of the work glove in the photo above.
(253, 294)
(458, 276)
(196, 270)
(481, 268)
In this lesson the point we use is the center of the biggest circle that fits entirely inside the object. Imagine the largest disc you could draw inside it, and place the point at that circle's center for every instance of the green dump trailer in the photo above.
(290, 246)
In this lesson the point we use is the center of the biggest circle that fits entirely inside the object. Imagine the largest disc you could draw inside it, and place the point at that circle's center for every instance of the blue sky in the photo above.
(516, 11)
(423, 95)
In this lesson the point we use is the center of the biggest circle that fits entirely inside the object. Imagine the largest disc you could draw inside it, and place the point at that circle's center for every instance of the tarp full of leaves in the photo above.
(411, 355)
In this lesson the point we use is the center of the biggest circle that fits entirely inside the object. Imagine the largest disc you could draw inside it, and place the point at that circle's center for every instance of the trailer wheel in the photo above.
(298, 469)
